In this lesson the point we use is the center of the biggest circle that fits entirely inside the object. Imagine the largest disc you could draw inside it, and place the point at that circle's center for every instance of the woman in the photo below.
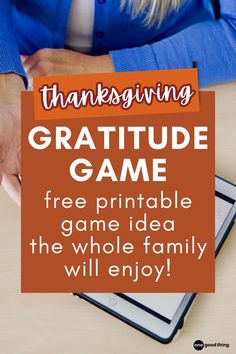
(105, 36)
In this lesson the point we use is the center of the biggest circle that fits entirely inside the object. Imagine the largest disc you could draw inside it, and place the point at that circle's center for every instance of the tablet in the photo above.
(161, 315)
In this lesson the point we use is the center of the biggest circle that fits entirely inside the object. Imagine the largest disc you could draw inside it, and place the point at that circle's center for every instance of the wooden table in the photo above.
(63, 324)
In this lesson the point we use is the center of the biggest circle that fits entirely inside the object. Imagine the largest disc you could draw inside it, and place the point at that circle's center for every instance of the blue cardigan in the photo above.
(191, 34)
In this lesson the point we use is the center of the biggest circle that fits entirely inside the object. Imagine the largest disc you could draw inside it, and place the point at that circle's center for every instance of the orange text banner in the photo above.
(116, 94)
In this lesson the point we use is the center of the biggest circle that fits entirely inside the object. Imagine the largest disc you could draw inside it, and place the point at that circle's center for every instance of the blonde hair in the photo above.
(156, 10)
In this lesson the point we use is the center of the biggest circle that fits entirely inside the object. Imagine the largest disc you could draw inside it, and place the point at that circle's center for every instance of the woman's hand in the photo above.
(10, 133)
(63, 61)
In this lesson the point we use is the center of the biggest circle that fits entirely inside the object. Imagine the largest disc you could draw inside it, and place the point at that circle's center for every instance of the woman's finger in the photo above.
(30, 62)
(12, 186)
(38, 56)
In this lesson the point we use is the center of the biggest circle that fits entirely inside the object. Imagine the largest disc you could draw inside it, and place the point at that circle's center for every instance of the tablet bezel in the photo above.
(142, 320)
